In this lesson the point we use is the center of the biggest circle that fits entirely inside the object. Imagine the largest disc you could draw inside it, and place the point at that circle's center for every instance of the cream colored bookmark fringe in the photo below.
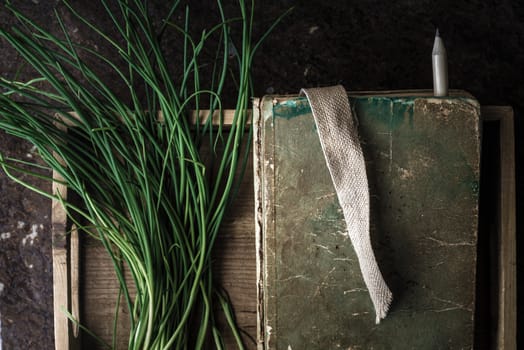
(341, 146)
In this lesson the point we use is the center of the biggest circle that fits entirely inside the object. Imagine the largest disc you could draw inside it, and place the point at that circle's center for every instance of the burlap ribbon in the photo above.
(341, 146)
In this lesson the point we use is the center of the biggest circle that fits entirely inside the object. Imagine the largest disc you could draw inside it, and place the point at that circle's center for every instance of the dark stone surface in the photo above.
(25, 259)
(365, 45)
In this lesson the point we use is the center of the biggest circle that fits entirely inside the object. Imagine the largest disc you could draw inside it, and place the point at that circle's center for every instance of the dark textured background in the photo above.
(364, 45)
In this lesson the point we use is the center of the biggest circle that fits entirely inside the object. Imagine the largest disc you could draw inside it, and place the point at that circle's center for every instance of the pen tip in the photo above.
(437, 33)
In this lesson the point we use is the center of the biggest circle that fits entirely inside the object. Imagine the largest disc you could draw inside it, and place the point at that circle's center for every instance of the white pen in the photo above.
(440, 67)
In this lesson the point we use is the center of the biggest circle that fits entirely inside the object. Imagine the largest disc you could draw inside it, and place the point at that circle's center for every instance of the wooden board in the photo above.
(422, 156)
(503, 269)
(61, 271)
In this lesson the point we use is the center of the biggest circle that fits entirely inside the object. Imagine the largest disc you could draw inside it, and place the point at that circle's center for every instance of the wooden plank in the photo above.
(234, 263)
(65, 272)
(60, 248)
(507, 278)
(64, 269)
(259, 216)
(74, 244)
(225, 118)
(99, 297)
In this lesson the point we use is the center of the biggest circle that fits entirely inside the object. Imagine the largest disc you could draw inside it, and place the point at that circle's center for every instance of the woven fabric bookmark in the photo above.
(345, 161)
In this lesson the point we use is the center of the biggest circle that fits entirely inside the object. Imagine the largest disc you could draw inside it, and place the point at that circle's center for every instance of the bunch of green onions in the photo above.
(145, 187)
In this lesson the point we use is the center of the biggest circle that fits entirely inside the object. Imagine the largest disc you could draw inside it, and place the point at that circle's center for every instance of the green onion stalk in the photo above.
(146, 185)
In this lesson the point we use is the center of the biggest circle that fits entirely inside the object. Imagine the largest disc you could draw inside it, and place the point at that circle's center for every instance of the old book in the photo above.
(422, 159)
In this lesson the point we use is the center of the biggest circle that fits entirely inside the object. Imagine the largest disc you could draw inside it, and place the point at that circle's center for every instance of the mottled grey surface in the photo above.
(367, 45)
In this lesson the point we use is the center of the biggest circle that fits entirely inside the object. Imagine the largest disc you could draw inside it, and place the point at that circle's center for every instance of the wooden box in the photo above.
(85, 283)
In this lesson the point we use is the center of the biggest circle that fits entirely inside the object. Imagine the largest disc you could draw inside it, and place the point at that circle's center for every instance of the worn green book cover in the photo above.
(422, 159)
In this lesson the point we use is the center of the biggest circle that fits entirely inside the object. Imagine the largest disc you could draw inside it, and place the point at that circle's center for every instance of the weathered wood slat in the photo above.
(75, 278)
(225, 117)
(507, 275)
(61, 292)
(99, 297)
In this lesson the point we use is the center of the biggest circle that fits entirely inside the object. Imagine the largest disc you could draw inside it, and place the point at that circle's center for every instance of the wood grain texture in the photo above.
(225, 118)
(61, 273)
(65, 267)
(234, 261)
(507, 278)
(234, 270)
(74, 257)
(99, 297)
(259, 216)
